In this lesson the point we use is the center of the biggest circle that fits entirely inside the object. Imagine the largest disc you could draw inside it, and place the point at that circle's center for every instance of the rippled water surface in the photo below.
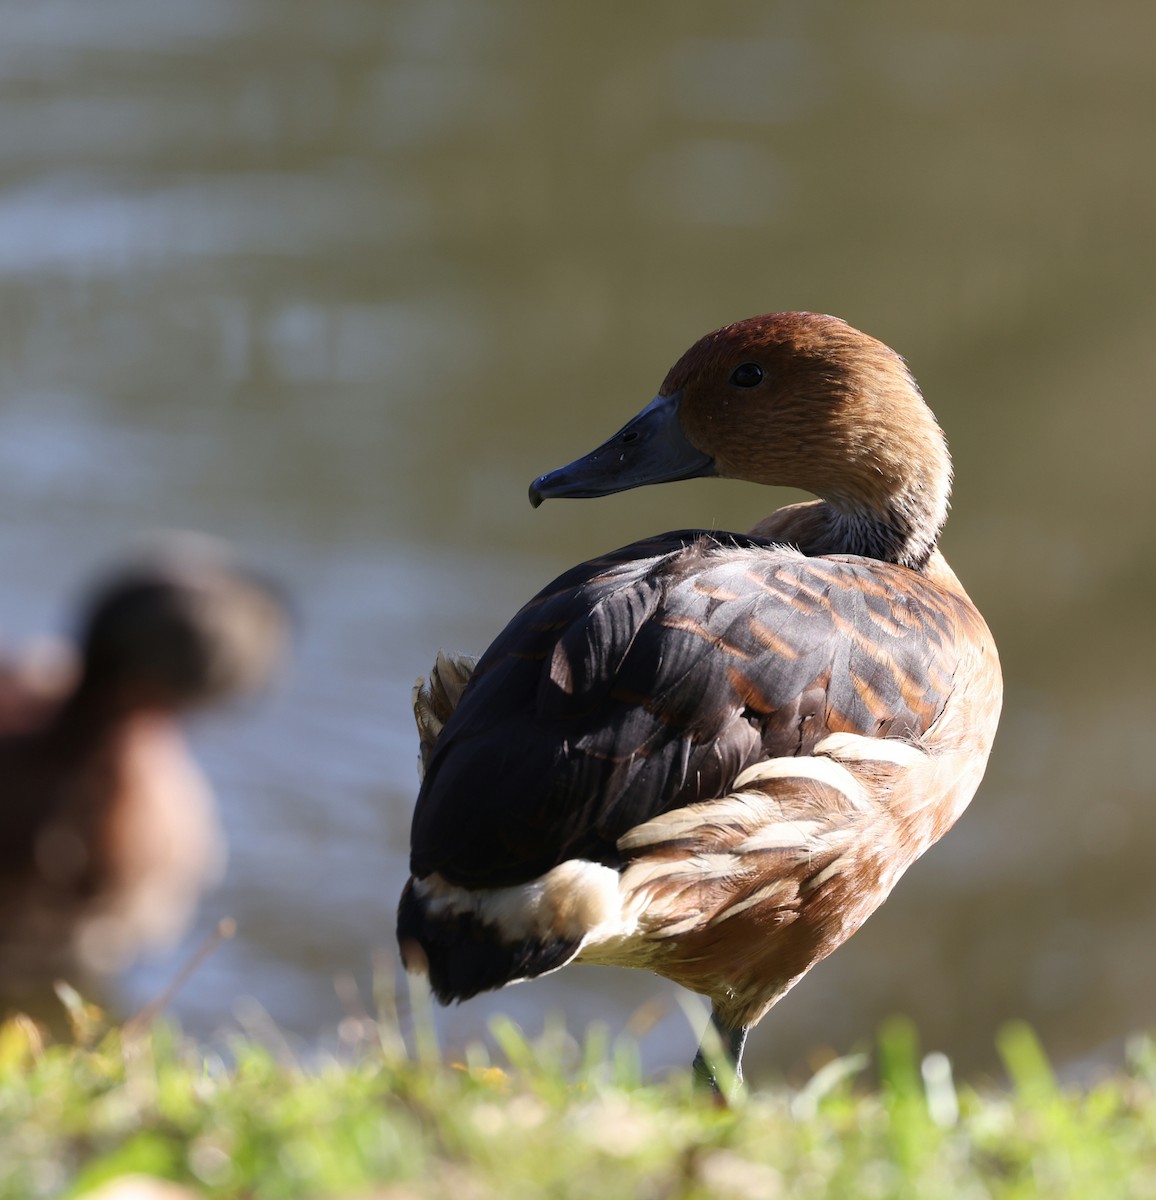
(336, 281)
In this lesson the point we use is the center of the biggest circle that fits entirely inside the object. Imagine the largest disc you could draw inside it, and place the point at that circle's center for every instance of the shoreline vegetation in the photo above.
(552, 1115)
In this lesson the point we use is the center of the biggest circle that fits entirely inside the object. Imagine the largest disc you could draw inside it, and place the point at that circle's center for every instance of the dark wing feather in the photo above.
(649, 678)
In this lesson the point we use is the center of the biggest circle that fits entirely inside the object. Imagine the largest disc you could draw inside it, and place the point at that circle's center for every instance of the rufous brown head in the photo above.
(793, 399)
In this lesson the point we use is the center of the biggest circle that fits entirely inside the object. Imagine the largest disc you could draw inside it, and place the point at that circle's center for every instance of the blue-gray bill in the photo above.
(650, 448)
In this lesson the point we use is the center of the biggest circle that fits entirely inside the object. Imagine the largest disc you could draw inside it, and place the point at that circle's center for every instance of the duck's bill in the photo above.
(650, 448)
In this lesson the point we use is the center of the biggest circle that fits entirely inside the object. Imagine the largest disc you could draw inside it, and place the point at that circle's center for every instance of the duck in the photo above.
(712, 755)
(108, 829)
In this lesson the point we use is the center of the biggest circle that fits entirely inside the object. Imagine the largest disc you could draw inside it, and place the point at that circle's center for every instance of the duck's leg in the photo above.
(733, 1039)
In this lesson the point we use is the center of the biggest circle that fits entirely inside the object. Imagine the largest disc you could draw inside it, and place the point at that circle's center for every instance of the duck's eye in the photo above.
(748, 375)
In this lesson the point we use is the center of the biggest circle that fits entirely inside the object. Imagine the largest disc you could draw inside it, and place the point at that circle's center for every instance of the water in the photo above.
(336, 281)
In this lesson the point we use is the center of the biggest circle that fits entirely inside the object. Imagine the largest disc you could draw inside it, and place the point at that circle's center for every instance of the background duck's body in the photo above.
(108, 832)
(712, 755)
(111, 836)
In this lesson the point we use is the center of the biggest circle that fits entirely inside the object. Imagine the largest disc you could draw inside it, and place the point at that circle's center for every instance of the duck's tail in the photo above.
(470, 940)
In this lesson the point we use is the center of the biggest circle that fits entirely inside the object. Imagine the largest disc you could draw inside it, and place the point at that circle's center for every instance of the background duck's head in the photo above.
(180, 627)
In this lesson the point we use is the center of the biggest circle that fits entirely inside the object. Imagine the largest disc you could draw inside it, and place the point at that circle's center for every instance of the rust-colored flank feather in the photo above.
(710, 754)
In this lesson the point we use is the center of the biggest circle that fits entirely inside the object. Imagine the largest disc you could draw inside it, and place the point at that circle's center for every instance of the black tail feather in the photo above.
(465, 956)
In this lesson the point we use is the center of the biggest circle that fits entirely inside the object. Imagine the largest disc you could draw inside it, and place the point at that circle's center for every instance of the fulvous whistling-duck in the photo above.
(709, 754)
(107, 829)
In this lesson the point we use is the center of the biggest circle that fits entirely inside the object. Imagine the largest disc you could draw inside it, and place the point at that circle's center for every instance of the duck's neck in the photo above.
(94, 712)
(819, 527)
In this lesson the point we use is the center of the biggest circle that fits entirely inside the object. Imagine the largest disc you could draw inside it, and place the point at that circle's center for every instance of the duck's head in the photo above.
(181, 626)
(797, 400)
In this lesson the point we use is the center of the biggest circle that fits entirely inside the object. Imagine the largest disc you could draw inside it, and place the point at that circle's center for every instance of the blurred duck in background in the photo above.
(712, 755)
(108, 831)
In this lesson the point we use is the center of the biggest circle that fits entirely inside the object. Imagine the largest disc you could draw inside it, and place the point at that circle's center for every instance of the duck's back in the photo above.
(650, 678)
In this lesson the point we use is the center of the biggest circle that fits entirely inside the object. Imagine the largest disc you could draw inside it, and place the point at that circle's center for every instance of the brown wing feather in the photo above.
(650, 678)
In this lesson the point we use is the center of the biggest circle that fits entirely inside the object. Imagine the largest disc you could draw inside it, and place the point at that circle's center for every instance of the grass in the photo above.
(560, 1117)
